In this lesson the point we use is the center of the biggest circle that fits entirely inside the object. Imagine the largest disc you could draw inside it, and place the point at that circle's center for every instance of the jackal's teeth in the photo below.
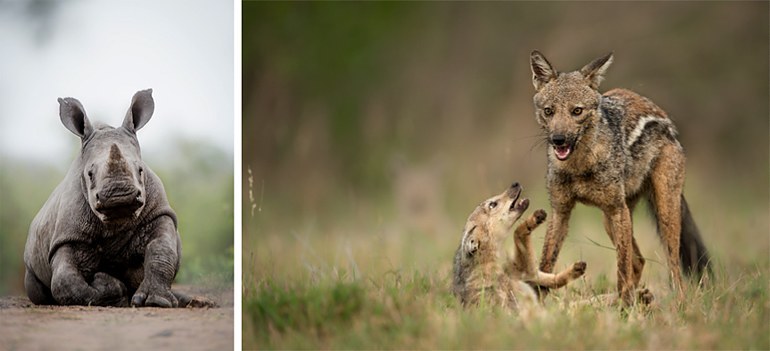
(562, 152)
(520, 205)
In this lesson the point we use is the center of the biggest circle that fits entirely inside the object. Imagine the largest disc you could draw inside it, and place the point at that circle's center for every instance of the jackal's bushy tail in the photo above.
(692, 253)
(694, 258)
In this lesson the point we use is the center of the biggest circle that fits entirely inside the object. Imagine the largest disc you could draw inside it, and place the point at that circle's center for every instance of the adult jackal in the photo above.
(610, 150)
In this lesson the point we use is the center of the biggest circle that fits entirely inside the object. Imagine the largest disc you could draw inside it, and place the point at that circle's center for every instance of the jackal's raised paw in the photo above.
(578, 269)
(539, 216)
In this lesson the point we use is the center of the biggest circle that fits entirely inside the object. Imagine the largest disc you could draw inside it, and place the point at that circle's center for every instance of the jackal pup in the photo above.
(481, 272)
(609, 150)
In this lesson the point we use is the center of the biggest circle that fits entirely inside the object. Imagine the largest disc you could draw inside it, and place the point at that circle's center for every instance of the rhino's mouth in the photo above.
(121, 212)
(119, 207)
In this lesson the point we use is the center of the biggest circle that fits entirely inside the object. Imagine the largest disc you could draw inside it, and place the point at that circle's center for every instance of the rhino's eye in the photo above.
(141, 171)
(91, 176)
(492, 205)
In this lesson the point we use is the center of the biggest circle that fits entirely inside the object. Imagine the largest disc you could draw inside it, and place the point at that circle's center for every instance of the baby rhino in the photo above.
(107, 235)
(481, 272)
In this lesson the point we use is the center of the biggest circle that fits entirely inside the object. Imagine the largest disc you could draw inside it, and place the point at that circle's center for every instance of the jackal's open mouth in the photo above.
(519, 205)
(562, 151)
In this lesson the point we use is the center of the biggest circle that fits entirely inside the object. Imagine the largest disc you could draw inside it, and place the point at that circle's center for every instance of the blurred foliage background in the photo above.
(198, 178)
(371, 130)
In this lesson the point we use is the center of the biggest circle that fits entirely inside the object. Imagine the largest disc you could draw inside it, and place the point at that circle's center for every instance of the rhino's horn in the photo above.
(116, 162)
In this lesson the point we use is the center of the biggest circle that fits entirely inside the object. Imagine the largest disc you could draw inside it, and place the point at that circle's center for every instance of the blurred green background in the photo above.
(367, 118)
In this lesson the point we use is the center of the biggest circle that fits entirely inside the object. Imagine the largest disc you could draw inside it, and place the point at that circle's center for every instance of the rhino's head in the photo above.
(111, 168)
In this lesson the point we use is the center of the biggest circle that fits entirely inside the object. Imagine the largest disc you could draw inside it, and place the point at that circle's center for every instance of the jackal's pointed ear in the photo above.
(469, 243)
(595, 70)
(542, 71)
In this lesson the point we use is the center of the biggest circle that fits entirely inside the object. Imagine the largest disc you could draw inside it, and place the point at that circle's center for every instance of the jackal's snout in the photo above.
(513, 193)
(562, 145)
(558, 139)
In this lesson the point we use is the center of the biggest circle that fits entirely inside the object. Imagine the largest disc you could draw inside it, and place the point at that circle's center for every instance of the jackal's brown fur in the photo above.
(609, 150)
(481, 273)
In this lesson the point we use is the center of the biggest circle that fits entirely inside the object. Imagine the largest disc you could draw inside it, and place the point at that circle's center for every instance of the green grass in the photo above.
(415, 310)
(364, 278)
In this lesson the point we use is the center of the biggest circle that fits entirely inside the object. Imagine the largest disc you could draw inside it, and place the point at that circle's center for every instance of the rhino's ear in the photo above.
(542, 71)
(595, 70)
(73, 116)
(142, 107)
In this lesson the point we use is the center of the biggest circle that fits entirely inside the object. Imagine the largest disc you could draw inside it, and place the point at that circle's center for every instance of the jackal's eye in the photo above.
(492, 205)
(577, 111)
(548, 111)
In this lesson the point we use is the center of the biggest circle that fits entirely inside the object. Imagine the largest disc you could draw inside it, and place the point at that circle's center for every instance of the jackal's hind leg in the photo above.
(667, 183)
(558, 280)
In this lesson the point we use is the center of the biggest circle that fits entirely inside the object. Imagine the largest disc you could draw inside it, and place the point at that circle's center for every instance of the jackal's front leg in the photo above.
(524, 261)
(619, 220)
(637, 260)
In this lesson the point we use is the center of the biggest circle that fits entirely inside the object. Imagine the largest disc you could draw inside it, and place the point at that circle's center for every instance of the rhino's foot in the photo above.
(37, 292)
(111, 291)
(158, 297)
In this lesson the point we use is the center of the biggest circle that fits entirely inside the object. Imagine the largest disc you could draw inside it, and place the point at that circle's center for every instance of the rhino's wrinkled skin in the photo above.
(107, 235)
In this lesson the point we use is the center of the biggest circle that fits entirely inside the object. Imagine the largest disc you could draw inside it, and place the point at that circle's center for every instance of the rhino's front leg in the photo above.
(161, 262)
(69, 286)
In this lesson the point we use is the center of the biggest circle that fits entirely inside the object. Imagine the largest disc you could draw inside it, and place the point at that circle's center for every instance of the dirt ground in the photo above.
(24, 326)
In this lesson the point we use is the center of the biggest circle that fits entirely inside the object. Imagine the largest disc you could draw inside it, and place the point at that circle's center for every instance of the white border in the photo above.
(237, 182)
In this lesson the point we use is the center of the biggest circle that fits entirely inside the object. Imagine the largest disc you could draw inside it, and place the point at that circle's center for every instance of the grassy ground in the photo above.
(416, 312)
(366, 277)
